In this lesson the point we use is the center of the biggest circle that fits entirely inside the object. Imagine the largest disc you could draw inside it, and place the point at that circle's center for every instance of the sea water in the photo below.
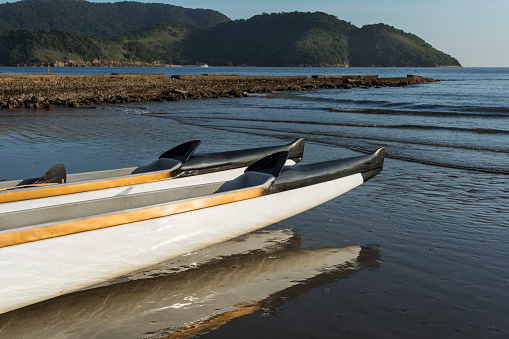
(438, 214)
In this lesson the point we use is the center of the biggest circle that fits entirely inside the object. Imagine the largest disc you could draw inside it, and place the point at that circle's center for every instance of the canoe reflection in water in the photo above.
(192, 294)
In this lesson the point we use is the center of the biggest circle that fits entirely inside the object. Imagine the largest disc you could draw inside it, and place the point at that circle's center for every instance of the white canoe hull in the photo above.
(56, 266)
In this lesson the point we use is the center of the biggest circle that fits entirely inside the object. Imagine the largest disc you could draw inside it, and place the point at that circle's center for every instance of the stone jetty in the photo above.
(43, 91)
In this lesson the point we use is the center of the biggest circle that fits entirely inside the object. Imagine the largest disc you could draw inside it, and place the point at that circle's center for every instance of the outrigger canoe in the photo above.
(56, 187)
(56, 250)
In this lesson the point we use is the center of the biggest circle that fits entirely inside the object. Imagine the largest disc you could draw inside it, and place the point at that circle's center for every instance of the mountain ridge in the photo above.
(276, 39)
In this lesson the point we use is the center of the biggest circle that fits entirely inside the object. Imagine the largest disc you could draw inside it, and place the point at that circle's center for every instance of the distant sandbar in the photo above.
(43, 91)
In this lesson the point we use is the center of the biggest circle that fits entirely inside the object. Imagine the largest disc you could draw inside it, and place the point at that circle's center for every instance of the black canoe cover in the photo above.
(55, 175)
(293, 177)
(271, 164)
(182, 152)
(214, 162)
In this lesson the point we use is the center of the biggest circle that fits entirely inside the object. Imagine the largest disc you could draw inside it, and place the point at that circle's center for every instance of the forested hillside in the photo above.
(278, 39)
(99, 19)
(273, 39)
(155, 44)
(385, 46)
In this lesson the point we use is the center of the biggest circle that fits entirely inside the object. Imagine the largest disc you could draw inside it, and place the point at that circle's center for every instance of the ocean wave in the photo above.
(362, 125)
(136, 110)
(314, 98)
(385, 107)
(407, 112)
(494, 109)
(366, 145)
(406, 106)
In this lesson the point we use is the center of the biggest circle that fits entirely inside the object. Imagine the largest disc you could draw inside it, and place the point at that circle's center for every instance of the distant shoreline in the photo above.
(44, 90)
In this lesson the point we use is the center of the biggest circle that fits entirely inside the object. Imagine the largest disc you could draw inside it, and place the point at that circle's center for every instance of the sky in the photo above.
(474, 32)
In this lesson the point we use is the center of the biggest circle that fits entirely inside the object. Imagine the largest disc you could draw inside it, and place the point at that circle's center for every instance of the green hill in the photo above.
(154, 44)
(385, 46)
(23, 46)
(314, 39)
(99, 19)
(284, 39)
(160, 43)
(273, 40)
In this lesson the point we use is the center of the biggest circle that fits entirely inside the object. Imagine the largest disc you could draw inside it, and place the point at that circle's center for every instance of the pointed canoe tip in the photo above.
(377, 164)
(380, 151)
(297, 142)
(296, 149)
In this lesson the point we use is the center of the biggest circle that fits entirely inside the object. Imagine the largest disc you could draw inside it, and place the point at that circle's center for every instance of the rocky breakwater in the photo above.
(43, 91)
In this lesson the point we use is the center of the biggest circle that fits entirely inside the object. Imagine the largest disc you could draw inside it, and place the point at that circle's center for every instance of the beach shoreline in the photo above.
(41, 91)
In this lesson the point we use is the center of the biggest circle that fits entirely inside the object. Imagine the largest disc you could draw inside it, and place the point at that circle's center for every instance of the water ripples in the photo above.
(407, 144)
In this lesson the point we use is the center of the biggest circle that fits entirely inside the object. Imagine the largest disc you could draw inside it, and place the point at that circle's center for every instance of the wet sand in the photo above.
(195, 294)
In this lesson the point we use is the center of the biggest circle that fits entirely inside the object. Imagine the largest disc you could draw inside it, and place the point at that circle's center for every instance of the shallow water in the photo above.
(437, 216)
